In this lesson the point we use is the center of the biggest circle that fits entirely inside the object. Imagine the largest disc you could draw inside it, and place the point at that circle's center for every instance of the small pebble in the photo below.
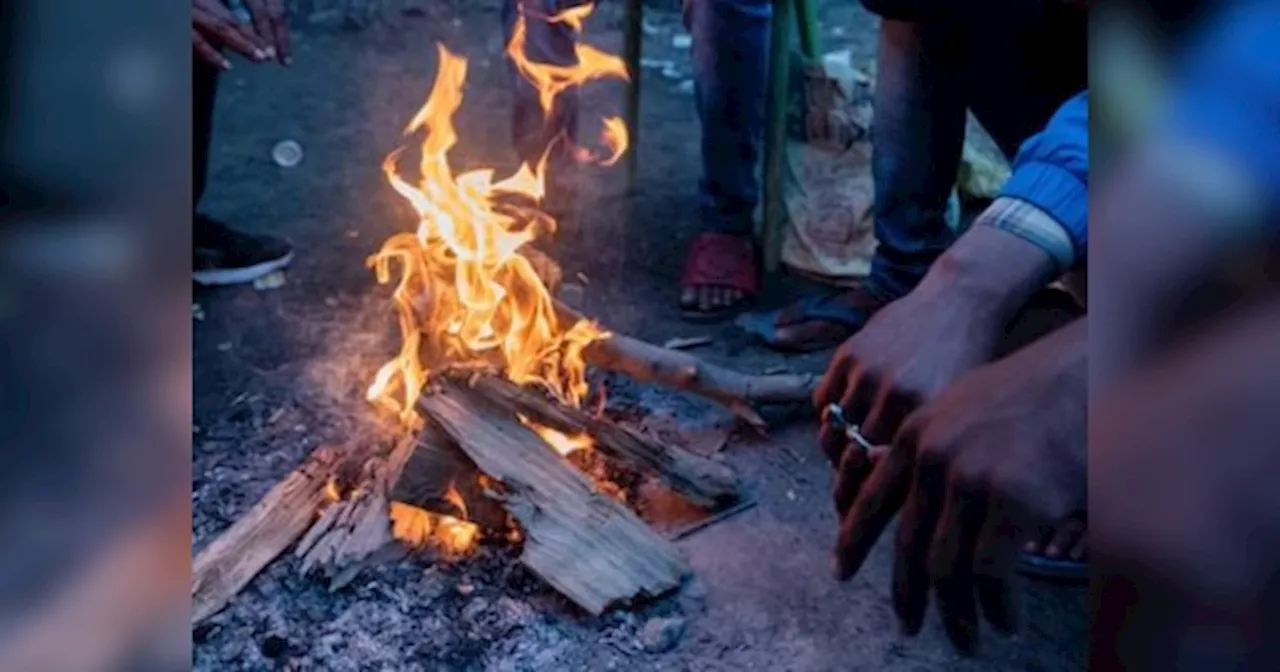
(465, 589)
(287, 153)
(273, 280)
(662, 634)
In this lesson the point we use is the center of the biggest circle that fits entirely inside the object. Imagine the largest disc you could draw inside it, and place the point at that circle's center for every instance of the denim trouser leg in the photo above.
(730, 75)
(545, 42)
(918, 134)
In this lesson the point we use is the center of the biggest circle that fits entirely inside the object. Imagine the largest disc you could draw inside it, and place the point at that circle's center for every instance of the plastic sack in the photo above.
(829, 191)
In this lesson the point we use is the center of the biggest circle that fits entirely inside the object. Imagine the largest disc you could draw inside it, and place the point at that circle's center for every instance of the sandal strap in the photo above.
(722, 260)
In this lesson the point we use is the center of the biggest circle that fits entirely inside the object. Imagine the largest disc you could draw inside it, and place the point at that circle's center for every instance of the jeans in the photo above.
(1013, 78)
(730, 73)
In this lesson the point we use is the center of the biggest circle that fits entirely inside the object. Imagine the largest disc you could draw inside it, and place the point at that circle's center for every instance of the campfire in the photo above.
(490, 389)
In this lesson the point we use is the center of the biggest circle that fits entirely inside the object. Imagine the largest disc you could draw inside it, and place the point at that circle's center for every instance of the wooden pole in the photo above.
(776, 135)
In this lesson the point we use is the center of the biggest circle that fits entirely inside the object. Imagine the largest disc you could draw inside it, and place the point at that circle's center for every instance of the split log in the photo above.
(355, 529)
(438, 466)
(588, 546)
(703, 481)
(737, 391)
(228, 563)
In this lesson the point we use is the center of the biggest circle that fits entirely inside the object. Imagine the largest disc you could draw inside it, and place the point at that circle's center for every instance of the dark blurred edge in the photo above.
(94, 335)
(1132, 611)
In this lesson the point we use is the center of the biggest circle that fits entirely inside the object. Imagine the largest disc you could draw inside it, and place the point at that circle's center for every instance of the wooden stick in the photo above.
(704, 481)
(228, 563)
(683, 371)
(437, 466)
(590, 547)
(357, 527)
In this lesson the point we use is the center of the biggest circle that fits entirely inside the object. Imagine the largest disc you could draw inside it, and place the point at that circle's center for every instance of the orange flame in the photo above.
(559, 441)
(421, 529)
(465, 294)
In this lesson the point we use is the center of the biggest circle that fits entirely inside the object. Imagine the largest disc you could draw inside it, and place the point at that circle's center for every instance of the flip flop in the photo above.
(824, 308)
(721, 260)
(1053, 569)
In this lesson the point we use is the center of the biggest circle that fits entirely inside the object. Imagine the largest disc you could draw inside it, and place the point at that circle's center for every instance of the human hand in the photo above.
(914, 347)
(271, 22)
(213, 26)
(977, 470)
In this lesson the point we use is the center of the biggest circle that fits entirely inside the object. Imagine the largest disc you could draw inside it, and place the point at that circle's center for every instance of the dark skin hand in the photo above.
(975, 471)
(214, 28)
(271, 23)
(916, 346)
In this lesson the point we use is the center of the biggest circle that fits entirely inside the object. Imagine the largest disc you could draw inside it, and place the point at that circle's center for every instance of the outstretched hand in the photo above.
(214, 28)
(916, 346)
(271, 22)
(975, 471)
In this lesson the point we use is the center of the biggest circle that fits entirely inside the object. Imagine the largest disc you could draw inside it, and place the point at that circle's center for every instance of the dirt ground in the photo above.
(281, 371)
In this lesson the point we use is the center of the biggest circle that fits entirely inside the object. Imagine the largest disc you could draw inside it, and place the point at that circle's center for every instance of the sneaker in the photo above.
(224, 256)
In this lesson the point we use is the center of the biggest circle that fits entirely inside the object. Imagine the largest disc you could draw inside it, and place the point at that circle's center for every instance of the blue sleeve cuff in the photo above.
(1057, 192)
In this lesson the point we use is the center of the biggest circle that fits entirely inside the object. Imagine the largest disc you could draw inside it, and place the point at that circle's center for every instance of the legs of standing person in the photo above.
(221, 255)
(918, 135)
(533, 130)
(730, 74)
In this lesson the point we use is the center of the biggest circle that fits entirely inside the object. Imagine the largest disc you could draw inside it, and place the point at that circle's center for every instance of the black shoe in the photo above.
(224, 256)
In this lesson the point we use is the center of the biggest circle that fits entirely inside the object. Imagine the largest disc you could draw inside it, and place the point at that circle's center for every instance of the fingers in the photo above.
(834, 381)
(994, 558)
(284, 45)
(207, 53)
(950, 564)
(889, 411)
(216, 24)
(920, 517)
(859, 396)
(855, 466)
(833, 442)
(263, 24)
(879, 499)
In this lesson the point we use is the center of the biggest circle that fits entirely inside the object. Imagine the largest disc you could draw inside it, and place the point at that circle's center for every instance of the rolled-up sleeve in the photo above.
(1051, 173)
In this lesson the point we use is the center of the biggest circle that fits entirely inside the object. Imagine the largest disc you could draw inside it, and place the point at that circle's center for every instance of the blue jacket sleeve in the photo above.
(1051, 171)
(1226, 93)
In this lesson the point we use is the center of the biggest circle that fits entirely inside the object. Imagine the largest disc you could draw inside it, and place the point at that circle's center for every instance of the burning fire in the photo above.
(421, 528)
(562, 443)
(466, 296)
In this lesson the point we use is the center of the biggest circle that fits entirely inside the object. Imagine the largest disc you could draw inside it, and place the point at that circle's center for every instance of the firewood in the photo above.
(436, 467)
(704, 481)
(228, 563)
(588, 546)
(736, 391)
(357, 527)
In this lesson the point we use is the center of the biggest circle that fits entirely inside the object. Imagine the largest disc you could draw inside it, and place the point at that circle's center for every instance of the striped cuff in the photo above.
(1033, 225)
